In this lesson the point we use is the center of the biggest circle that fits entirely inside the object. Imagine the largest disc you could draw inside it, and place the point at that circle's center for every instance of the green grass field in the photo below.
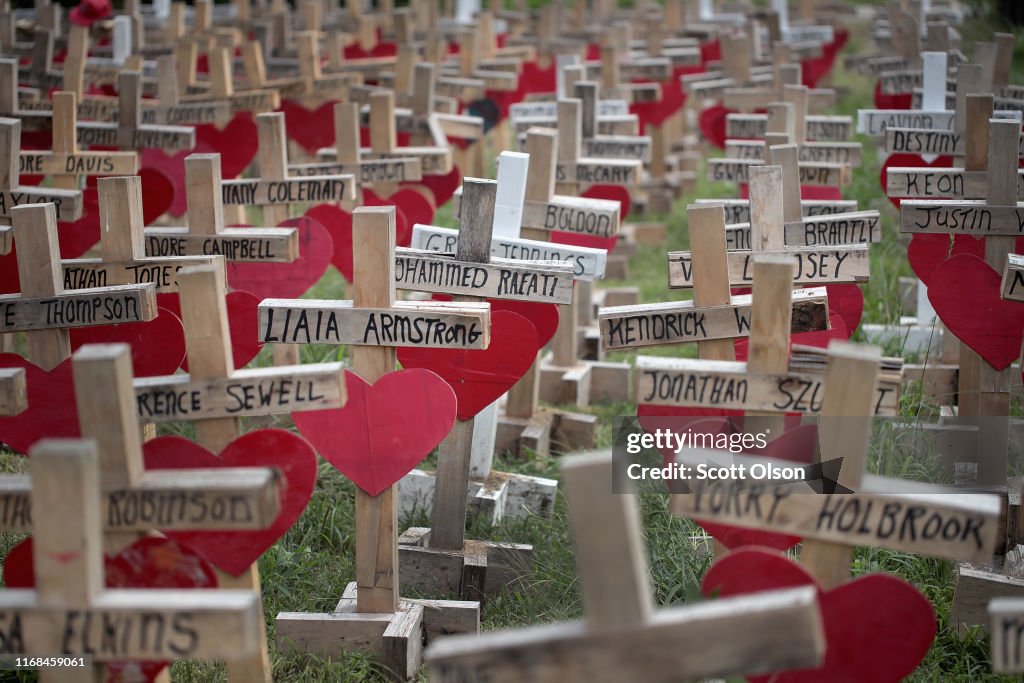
(308, 569)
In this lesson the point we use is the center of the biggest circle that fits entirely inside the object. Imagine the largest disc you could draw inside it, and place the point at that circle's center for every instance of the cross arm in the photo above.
(636, 326)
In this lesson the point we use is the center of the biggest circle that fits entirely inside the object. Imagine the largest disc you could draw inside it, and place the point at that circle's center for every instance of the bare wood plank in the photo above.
(13, 396)
(79, 308)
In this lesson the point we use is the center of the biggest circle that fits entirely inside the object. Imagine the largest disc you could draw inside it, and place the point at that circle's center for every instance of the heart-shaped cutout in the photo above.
(864, 618)
(172, 166)
(290, 454)
(441, 186)
(338, 224)
(900, 100)
(965, 293)
(481, 377)
(712, 124)
(287, 280)
(309, 129)
(150, 562)
(243, 325)
(158, 346)
(903, 160)
(615, 193)
(926, 252)
(237, 143)
(51, 411)
(385, 429)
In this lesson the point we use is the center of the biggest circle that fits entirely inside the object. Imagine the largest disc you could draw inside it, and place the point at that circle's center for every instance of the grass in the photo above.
(309, 567)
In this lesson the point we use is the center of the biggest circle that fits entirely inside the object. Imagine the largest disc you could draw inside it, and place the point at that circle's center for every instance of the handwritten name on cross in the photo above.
(67, 203)
(891, 513)
(70, 611)
(205, 234)
(122, 253)
(815, 265)
(274, 190)
(46, 309)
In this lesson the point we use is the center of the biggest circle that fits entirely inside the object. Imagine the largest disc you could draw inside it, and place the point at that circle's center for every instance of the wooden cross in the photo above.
(69, 611)
(983, 391)
(599, 146)
(67, 204)
(13, 396)
(623, 636)
(969, 181)
(311, 86)
(752, 98)
(11, 106)
(575, 172)
(810, 502)
(819, 128)
(222, 88)
(374, 323)
(122, 252)
(765, 382)
(214, 396)
(935, 135)
(349, 160)
(46, 307)
(713, 313)
(738, 210)
(205, 234)
(66, 163)
(134, 500)
(424, 549)
(787, 118)
(834, 228)
(435, 159)
(931, 115)
(523, 425)
(274, 190)
(775, 202)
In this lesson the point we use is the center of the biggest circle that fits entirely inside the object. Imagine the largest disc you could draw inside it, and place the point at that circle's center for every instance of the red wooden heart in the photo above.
(909, 161)
(338, 224)
(848, 301)
(901, 100)
(672, 100)
(543, 316)
(287, 280)
(385, 429)
(158, 346)
(615, 193)
(864, 618)
(536, 78)
(712, 124)
(234, 551)
(158, 193)
(243, 323)
(172, 166)
(796, 445)
(237, 143)
(480, 377)
(442, 186)
(964, 291)
(51, 411)
(412, 204)
(150, 562)
(926, 252)
(310, 129)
